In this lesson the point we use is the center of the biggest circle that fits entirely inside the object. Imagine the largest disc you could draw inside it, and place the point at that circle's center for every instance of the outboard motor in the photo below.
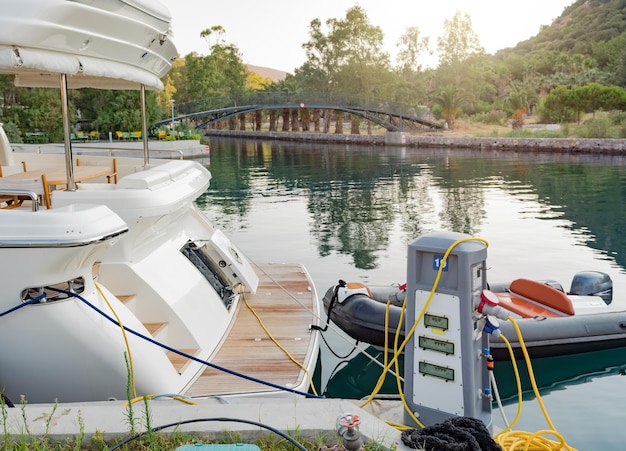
(593, 283)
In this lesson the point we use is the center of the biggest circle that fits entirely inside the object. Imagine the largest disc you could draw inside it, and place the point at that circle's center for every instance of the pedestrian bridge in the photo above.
(390, 115)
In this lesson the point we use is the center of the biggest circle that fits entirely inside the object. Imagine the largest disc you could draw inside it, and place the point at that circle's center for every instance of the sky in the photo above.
(271, 33)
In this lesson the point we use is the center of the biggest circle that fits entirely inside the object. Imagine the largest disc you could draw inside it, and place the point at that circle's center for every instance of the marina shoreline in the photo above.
(404, 139)
(313, 419)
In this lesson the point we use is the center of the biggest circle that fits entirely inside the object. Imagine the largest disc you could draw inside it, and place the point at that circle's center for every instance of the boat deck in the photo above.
(286, 303)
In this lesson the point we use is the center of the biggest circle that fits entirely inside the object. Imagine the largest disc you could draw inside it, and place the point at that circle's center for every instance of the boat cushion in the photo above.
(543, 294)
(144, 180)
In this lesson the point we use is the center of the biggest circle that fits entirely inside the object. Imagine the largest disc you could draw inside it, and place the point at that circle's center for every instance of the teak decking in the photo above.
(286, 302)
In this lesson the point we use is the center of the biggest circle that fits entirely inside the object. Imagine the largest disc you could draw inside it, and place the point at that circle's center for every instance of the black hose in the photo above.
(198, 420)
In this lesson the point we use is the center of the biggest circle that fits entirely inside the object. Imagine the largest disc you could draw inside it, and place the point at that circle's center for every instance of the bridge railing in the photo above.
(299, 99)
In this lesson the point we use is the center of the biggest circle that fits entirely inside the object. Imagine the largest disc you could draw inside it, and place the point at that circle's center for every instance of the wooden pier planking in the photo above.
(286, 303)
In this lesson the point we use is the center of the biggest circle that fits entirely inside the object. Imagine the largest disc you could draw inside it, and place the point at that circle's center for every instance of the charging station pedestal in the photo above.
(445, 371)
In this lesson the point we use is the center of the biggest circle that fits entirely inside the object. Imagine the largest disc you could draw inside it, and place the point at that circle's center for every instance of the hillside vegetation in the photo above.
(585, 27)
(572, 72)
(594, 29)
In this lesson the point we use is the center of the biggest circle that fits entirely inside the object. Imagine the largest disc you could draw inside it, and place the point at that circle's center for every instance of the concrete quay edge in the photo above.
(308, 418)
(404, 139)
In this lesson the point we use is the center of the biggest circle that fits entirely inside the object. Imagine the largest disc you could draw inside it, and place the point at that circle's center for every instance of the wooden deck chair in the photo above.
(8, 201)
(114, 174)
(111, 176)
(45, 193)
(13, 169)
(7, 167)
(37, 184)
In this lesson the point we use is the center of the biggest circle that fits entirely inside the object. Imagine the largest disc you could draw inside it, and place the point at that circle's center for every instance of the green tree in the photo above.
(40, 109)
(411, 85)
(361, 41)
(613, 98)
(13, 132)
(7, 90)
(593, 97)
(590, 95)
(559, 106)
(318, 71)
(90, 103)
(450, 99)
(121, 111)
(459, 41)
(220, 73)
(172, 82)
(461, 59)
(348, 57)
(411, 47)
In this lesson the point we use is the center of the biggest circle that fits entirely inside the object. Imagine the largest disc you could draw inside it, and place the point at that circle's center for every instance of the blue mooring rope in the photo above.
(164, 346)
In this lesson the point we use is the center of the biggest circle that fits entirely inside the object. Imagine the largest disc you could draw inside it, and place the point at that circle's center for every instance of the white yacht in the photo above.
(114, 284)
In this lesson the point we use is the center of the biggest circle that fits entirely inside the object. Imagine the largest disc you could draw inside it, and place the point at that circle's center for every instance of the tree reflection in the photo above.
(357, 197)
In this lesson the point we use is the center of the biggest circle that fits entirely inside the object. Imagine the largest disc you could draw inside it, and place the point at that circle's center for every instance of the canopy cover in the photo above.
(106, 44)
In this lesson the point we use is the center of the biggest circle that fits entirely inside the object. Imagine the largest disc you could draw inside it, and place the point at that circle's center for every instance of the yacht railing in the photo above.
(22, 192)
(100, 150)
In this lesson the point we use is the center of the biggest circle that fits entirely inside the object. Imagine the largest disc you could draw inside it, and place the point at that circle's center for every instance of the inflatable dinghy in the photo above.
(551, 321)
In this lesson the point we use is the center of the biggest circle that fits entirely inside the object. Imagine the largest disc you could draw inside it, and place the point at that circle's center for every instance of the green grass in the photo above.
(151, 440)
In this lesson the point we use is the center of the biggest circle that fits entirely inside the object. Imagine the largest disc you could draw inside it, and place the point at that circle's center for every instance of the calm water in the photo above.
(348, 212)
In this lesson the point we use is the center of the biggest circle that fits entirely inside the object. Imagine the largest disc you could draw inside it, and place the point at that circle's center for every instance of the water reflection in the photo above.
(359, 197)
(348, 212)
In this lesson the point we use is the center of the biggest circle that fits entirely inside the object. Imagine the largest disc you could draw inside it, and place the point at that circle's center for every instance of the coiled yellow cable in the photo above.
(520, 440)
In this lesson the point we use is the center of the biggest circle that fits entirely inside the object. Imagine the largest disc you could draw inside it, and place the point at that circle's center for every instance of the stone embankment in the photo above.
(557, 145)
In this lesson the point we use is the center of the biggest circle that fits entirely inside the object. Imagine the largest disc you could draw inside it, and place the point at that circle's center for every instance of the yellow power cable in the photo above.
(386, 366)
(130, 357)
(176, 397)
(386, 348)
(398, 426)
(315, 315)
(397, 368)
(518, 383)
(119, 322)
(521, 440)
(269, 334)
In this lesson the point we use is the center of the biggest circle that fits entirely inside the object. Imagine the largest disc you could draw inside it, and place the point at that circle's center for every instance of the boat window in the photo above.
(209, 269)
(56, 292)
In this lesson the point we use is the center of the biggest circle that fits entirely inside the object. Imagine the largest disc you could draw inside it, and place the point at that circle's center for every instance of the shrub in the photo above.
(596, 128)
(617, 117)
(494, 117)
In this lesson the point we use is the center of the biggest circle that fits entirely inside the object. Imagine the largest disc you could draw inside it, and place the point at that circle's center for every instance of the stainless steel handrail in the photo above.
(108, 149)
(23, 192)
(56, 242)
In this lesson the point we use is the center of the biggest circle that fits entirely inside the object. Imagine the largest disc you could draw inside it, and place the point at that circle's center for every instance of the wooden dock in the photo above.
(287, 304)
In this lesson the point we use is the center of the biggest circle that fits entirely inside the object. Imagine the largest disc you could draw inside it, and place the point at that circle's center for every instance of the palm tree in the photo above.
(450, 99)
